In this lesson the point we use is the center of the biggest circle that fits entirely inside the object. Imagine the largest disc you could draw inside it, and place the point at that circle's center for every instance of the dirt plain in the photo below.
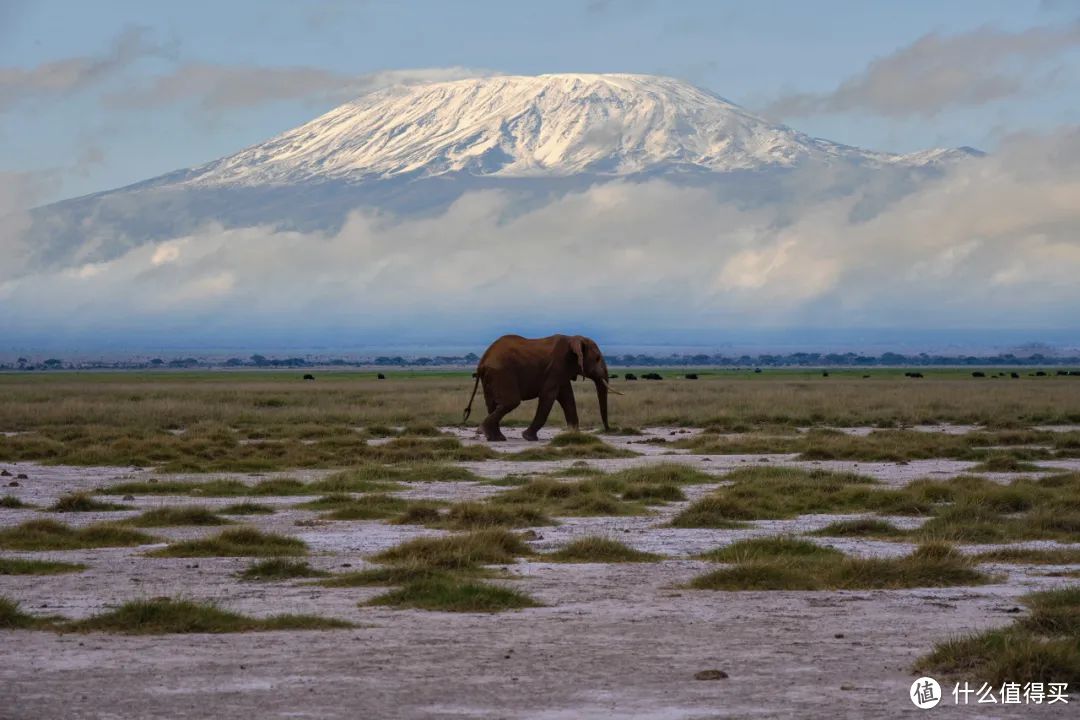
(611, 640)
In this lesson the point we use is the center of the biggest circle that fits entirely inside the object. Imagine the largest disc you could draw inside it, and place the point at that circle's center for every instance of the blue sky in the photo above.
(84, 138)
(97, 95)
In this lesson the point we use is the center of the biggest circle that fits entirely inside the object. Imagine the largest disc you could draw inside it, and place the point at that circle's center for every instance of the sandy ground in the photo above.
(611, 640)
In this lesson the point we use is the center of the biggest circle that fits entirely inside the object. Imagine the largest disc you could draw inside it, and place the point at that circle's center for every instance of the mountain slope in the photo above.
(546, 126)
(416, 149)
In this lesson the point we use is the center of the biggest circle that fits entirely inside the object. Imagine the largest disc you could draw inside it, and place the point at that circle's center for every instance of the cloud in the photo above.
(19, 191)
(995, 243)
(62, 78)
(215, 88)
(937, 72)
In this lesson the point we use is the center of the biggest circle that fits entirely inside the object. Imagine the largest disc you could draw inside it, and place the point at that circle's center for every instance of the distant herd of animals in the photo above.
(515, 368)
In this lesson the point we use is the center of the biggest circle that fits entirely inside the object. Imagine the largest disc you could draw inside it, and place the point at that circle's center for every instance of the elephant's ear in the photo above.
(579, 351)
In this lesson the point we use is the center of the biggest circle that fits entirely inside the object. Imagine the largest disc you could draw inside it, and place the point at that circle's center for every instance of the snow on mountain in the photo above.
(545, 126)
(415, 150)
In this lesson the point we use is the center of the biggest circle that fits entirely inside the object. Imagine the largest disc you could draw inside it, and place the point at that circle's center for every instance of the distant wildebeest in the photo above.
(865, 377)
(1075, 373)
(757, 370)
(631, 376)
(652, 376)
(1014, 375)
(1062, 372)
(824, 373)
(614, 376)
(691, 376)
(1040, 373)
(978, 374)
(380, 376)
(309, 377)
(913, 374)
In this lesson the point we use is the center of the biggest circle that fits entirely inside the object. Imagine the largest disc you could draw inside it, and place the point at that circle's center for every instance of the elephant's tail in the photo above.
(468, 408)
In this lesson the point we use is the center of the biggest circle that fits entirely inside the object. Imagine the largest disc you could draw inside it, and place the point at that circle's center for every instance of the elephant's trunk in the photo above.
(601, 397)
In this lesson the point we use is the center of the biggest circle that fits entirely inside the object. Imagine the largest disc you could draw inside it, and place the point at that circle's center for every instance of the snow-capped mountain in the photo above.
(546, 126)
(415, 149)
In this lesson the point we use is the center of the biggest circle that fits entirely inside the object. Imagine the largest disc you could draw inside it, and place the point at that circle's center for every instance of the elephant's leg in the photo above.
(569, 405)
(494, 389)
(490, 425)
(492, 405)
(543, 409)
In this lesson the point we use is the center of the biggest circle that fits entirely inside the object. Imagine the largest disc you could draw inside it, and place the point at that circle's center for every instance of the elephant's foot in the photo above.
(530, 435)
(493, 434)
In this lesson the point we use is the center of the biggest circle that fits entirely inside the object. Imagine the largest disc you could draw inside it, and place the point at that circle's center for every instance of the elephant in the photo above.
(515, 368)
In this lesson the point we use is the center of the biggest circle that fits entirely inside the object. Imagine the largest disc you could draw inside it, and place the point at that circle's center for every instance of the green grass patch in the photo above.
(223, 487)
(664, 474)
(770, 548)
(13, 503)
(1054, 612)
(13, 618)
(374, 507)
(177, 516)
(771, 493)
(572, 438)
(595, 496)
(1041, 647)
(19, 566)
(452, 552)
(519, 479)
(52, 535)
(83, 502)
(399, 575)
(167, 617)
(802, 569)
(862, 527)
(372, 477)
(1006, 463)
(963, 509)
(422, 450)
(476, 515)
(247, 508)
(327, 502)
(599, 550)
(571, 445)
(712, 512)
(239, 542)
(422, 430)
(887, 445)
(967, 523)
(454, 594)
(1032, 556)
(653, 493)
(280, 569)
(624, 430)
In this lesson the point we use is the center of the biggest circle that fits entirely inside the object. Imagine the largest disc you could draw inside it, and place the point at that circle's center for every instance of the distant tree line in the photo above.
(800, 359)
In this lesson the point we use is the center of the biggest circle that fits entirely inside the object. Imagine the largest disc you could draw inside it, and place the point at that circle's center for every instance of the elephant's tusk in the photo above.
(610, 389)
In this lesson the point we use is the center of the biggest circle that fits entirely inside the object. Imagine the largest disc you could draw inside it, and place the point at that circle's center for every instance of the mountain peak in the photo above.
(527, 126)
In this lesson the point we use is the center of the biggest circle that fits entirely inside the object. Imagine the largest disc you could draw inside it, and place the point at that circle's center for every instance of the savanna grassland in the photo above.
(210, 420)
(236, 531)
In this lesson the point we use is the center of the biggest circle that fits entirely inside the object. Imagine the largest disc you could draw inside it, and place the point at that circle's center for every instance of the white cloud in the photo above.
(60, 78)
(940, 71)
(994, 243)
(215, 87)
